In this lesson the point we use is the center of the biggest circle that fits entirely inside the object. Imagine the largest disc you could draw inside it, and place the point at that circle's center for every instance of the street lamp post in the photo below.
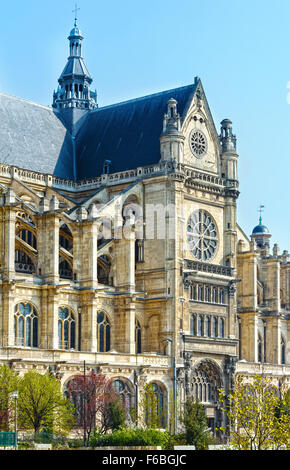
(15, 396)
(169, 340)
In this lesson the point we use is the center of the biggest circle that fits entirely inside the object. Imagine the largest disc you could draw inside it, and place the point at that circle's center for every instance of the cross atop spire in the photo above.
(261, 210)
(75, 80)
(75, 11)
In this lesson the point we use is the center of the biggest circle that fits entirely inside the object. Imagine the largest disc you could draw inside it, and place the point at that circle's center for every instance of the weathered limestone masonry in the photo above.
(120, 249)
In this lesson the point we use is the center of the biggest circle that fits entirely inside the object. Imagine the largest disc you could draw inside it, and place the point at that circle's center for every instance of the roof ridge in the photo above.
(144, 97)
(26, 101)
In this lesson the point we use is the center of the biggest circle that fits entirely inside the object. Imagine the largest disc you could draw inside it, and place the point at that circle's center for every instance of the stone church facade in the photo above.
(120, 249)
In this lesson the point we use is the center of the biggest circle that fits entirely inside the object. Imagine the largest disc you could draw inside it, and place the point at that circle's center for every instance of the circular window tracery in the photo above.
(198, 143)
(202, 235)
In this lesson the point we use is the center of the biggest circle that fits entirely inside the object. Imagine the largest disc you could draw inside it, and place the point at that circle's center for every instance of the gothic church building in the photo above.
(120, 247)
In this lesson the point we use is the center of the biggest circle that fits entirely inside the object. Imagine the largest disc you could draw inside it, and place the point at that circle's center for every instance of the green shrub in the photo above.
(25, 445)
(177, 440)
(126, 437)
(195, 424)
(75, 443)
(115, 416)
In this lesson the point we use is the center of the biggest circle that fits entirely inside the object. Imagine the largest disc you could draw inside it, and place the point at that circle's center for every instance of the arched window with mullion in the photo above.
(25, 325)
(66, 329)
(123, 390)
(103, 333)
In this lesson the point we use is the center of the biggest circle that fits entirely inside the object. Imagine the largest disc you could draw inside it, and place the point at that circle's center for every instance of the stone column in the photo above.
(125, 325)
(8, 303)
(249, 336)
(48, 247)
(247, 289)
(271, 270)
(273, 340)
(89, 309)
(52, 317)
(88, 254)
(8, 220)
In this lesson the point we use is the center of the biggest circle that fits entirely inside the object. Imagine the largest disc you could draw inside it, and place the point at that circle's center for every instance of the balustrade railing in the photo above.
(111, 179)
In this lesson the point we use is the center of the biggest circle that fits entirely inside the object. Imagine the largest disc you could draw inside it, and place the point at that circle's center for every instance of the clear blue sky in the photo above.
(240, 49)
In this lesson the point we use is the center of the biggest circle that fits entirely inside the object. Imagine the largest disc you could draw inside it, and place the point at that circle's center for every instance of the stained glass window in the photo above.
(66, 329)
(103, 333)
(25, 326)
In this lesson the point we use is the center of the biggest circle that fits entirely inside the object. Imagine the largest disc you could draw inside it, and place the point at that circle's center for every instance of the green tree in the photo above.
(254, 423)
(151, 411)
(114, 415)
(284, 405)
(8, 383)
(195, 423)
(41, 404)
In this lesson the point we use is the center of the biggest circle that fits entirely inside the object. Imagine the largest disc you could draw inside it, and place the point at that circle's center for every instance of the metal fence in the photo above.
(7, 439)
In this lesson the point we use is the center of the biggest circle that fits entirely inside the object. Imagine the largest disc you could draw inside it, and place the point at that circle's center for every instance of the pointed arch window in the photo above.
(207, 324)
(123, 390)
(215, 327)
(215, 295)
(66, 329)
(283, 351)
(193, 291)
(260, 349)
(156, 408)
(25, 326)
(221, 328)
(200, 293)
(221, 296)
(103, 333)
(207, 294)
(138, 337)
(192, 325)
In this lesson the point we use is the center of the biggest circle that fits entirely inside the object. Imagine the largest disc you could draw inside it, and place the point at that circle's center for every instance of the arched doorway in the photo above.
(204, 383)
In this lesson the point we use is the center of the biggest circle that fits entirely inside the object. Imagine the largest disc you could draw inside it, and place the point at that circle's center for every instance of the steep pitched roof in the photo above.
(31, 136)
(34, 137)
(127, 133)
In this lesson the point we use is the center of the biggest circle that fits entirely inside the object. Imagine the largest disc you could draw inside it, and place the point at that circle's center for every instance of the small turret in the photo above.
(171, 121)
(228, 140)
(172, 139)
(229, 158)
(261, 233)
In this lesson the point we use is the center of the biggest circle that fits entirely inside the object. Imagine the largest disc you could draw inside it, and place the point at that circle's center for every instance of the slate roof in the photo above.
(31, 136)
(127, 133)
(75, 66)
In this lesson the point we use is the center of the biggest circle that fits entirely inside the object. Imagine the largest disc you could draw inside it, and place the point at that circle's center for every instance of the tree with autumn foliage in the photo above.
(95, 403)
(251, 409)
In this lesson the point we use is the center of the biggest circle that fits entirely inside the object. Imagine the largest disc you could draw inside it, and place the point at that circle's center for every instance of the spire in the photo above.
(261, 210)
(75, 80)
(75, 11)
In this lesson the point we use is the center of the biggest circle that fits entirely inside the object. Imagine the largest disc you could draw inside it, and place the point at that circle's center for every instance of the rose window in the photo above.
(202, 235)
